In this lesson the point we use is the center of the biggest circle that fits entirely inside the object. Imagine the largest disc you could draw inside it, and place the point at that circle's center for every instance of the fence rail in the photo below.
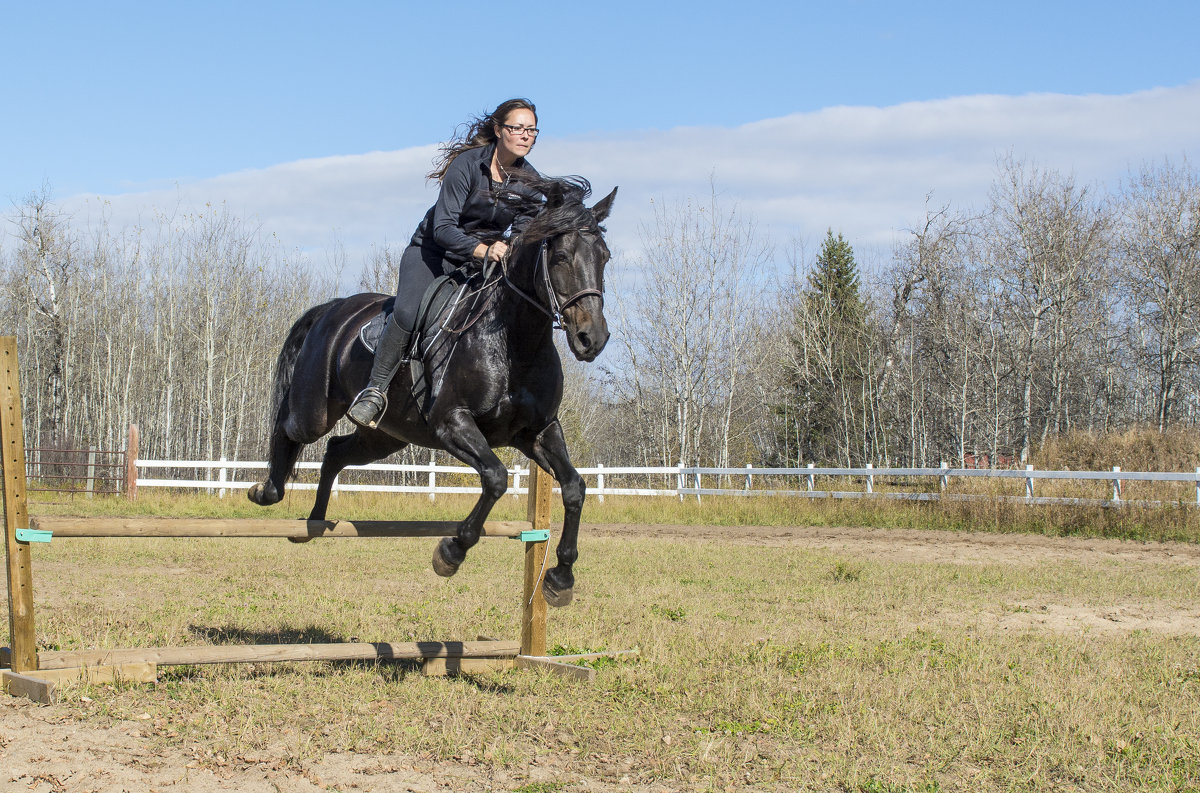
(682, 481)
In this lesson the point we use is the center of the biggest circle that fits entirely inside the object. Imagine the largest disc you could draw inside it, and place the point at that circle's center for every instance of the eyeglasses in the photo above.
(533, 131)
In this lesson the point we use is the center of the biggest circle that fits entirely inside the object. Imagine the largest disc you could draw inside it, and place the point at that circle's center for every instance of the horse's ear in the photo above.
(554, 196)
(604, 206)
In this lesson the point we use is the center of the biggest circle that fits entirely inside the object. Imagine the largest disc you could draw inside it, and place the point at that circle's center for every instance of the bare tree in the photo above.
(382, 270)
(1045, 244)
(174, 326)
(684, 327)
(1159, 248)
(46, 274)
(934, 320)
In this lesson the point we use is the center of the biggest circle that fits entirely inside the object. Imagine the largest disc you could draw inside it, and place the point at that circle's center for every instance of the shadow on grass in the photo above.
(390, 670)
(229, 634)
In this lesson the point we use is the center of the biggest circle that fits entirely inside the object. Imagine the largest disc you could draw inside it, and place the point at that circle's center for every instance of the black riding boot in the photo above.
(371, 403)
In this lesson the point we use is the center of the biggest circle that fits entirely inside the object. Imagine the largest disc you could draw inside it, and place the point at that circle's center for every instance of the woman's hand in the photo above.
(497, 251)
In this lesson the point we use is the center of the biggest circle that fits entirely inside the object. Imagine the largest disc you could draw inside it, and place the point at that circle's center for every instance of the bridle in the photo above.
(483, 295)
(557, 304)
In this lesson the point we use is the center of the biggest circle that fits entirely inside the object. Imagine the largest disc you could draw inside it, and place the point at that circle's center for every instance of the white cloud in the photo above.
(864, 171)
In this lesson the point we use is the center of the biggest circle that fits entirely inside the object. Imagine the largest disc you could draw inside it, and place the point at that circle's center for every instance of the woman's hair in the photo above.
(479, 131)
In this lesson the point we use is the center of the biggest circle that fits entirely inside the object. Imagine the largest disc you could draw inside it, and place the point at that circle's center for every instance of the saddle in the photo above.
(439, 294)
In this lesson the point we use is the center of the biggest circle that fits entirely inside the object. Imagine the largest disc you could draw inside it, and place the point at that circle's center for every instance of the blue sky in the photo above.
(145, 103)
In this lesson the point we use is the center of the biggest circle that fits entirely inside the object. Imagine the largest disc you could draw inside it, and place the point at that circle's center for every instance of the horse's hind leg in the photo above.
(357, 448)
(296, 426)
(284, 453)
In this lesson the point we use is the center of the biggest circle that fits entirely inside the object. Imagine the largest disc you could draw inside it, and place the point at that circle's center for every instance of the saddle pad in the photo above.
(368, 335)
(436, 296)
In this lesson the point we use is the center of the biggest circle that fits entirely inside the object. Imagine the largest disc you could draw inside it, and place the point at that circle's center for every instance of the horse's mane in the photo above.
(557, 201)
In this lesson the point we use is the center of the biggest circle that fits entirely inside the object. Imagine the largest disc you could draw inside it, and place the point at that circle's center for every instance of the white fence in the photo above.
(690, 481)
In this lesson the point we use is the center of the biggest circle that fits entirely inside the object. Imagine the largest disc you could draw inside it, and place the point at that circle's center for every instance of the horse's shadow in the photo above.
(231, 634)
(388, 669)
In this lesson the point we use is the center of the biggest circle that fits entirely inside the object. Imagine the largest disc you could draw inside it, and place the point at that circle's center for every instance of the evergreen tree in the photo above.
(833, 282)
(819, 417)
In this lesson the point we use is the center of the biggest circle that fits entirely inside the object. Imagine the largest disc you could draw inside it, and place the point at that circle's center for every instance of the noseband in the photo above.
(557, 305)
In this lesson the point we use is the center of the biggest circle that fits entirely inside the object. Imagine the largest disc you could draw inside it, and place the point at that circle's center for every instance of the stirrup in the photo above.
(365, 396)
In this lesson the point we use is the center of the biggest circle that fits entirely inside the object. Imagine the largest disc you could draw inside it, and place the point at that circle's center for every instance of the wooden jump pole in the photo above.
(263, 527)
(35, 676)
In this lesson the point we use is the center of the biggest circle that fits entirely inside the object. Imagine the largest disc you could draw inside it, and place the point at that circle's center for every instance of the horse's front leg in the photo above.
(460, 435)
(548, 449)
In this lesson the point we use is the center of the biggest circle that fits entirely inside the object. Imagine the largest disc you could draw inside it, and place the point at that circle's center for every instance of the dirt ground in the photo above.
(44, 749)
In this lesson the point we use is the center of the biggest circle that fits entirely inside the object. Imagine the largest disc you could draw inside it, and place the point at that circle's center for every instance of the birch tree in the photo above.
(1159, 246)
(46, 275)
(685, 325)
(1046, 239)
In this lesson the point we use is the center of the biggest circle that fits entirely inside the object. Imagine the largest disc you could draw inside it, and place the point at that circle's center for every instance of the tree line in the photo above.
(1055, 307)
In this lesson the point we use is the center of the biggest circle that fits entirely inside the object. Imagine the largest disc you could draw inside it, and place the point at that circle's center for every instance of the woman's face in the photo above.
(517, 144)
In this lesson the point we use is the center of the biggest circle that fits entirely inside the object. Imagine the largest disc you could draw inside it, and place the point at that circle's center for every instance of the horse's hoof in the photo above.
(557, 597)
(441, 565)
(259, 495)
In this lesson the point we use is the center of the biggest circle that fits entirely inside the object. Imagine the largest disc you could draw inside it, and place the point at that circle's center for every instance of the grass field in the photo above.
(1178, 521)
(761, 666)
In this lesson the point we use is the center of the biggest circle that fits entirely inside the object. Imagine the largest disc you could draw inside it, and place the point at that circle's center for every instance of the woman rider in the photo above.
(464, 227)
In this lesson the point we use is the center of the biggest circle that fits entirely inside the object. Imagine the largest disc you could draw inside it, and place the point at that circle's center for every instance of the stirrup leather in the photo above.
(369, 391)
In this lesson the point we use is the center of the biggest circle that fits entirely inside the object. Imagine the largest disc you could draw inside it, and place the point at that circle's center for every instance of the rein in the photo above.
(553, 311)
(484, 287)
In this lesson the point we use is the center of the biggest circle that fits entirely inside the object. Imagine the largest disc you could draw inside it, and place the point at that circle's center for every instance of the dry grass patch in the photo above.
(1135, 449)
(772, 668)
(1177, 521)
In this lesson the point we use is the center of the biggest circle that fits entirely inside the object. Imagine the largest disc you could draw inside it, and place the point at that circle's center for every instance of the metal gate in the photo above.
(74, 471)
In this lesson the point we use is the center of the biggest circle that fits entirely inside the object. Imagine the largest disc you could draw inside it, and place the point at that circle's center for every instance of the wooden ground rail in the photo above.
(26, 672)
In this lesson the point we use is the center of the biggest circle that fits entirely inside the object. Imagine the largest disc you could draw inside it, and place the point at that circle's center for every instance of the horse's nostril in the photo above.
(585, 341)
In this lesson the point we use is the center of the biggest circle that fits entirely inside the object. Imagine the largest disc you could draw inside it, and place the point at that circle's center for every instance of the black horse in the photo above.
(496, 373)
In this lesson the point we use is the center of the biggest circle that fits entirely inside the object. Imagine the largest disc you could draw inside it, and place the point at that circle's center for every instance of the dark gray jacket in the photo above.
(467, 211)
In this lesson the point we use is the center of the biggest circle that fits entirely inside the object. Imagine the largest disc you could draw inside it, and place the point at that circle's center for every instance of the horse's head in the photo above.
(575, 256)
(576, 260)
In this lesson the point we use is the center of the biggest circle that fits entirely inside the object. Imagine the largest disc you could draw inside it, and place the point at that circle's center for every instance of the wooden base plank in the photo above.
(262, 527)
(440, 667)
(592, 656)
(232, 654)
(35, 688)
(95, 675)
(583, 673)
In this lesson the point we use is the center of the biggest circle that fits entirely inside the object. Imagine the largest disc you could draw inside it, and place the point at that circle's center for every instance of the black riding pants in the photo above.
(418, 268)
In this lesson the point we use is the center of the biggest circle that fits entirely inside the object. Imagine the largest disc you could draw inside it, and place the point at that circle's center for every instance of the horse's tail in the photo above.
(285, 365)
